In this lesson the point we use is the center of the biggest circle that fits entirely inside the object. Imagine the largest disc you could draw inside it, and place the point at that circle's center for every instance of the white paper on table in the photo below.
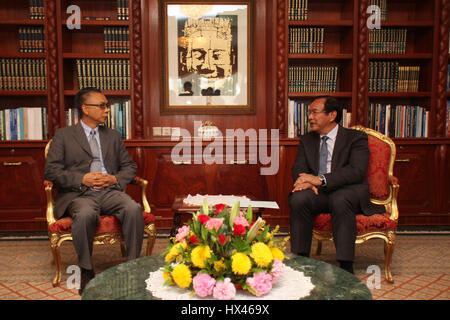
(260, 204)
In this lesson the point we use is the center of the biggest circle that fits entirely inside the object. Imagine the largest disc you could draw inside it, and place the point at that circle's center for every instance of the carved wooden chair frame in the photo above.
(390, 203)
(56, 238)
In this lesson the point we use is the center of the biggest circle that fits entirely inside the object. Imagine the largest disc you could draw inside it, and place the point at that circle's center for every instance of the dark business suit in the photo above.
(68, 160)
(346, 192)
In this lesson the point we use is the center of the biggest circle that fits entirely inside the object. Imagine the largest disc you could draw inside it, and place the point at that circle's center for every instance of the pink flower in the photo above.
(277, 270)
(261, 282)
(241, 220)
(183, 232)
(224, 290)
(203, 284)
(214, 223)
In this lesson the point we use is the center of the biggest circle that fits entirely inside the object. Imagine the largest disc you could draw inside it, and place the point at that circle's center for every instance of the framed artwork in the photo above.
(207, 51)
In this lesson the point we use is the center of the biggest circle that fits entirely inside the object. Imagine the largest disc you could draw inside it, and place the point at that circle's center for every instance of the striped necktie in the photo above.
(323, 155)
(96, 164)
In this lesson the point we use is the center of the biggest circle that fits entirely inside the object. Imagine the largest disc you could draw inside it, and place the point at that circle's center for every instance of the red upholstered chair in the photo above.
(383, 190)
(109, 230)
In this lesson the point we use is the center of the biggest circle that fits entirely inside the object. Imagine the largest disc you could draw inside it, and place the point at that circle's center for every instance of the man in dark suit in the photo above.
(92, 168)
(329, 175)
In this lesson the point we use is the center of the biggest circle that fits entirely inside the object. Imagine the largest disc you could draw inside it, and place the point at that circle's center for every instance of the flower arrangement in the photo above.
(222, 249)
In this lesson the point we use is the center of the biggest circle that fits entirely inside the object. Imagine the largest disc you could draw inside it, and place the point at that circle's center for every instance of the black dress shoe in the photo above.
(86, 276)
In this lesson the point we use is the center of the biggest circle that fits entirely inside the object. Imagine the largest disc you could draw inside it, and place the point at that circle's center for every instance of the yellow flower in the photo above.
(182, 276)
(167, 276)
(240, 263)
(174, 252)
(277, 253)
(199, 254)
(261, 254)
(219, 265)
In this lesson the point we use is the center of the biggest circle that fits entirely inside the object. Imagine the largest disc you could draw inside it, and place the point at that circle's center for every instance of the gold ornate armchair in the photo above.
(109, 230)
(383, 191)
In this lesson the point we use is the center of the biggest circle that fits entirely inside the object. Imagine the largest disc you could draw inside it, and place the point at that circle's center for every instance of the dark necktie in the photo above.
(323, 155)
(96, 164)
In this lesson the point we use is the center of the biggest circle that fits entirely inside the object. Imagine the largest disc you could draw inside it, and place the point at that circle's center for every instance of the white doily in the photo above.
(212, 200)
(293, 285)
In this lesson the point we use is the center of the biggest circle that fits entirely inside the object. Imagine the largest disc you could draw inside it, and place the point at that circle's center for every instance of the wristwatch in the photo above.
(322, 178)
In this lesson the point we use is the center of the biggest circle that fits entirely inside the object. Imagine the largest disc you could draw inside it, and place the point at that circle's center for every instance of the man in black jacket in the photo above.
(329, 175)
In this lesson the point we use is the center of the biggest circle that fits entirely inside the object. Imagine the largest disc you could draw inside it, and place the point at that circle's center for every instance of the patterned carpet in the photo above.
(421, 267)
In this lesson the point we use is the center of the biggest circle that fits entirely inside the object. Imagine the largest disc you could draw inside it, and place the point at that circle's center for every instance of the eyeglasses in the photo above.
(102, 106)
(315, 112)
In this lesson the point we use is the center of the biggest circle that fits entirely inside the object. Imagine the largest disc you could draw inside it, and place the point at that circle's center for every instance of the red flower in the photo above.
(219, 208)
(193, 239)
(238, 229)
(222, 239)
(203, 218)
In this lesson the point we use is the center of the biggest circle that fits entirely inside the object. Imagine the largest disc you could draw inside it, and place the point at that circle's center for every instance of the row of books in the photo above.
(23, 74)
(298, 118)
(382, 5)
(123, 13)
(24, 123)
(36, 9)
(313, 79)
(31, 39)
(399, 121)
(388, 76)
(298, 10)
(119, 118)
(306, 40)
(387, 40)
(105, 74)
(117, 39)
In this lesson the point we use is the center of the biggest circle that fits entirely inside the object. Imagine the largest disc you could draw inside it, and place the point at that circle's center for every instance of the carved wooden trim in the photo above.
(362, 65)
(137, 68)
(441, 101)
(281, 68)
(52, 67)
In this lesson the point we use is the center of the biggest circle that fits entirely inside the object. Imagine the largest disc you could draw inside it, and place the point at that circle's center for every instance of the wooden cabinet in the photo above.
(22, 204)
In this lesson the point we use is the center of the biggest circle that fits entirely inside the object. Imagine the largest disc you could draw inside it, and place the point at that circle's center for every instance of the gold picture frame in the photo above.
(207, 65)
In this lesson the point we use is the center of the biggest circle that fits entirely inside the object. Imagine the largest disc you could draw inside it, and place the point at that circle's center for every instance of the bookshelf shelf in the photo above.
(343, 94)
(320, 56)
(101, 23)
(399, 94)
(23, 93)
(402, 56)
(324, 23)
(24, 22)
(105, 92)
(74, 55)
(13, 55)
(413, 23)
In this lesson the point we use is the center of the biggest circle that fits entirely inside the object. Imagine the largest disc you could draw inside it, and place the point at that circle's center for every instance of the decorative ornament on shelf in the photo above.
(222, 249)
(208, 130)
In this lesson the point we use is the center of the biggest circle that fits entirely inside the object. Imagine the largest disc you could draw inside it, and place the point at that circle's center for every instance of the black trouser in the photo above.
(85, 212)
(343, 204)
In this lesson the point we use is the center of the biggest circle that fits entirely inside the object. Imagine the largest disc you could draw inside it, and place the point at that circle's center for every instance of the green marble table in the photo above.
(126, 281)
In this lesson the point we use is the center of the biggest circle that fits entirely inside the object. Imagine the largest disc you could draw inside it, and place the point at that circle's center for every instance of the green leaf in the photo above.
(249, 215)
(204, 209)
(234, 212)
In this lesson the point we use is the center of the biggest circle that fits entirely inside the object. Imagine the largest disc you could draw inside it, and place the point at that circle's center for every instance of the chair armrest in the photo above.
(141, 182)
(394, 186)
(48, 187)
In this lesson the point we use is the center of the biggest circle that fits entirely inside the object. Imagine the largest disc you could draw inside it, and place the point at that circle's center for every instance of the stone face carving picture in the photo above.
(206, 56)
